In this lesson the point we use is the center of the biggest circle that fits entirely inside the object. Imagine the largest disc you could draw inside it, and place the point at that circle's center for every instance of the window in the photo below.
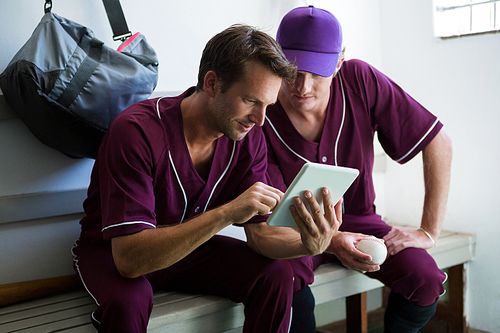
(454, 18)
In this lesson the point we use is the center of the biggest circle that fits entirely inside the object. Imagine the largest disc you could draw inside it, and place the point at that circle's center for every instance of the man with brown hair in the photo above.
(170, 174)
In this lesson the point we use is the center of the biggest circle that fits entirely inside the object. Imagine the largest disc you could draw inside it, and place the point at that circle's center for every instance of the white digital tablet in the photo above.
(312, 177)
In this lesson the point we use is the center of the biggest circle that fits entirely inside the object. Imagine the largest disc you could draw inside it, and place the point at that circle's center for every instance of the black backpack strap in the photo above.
(117, 19)
(115, 16)
(48, 6)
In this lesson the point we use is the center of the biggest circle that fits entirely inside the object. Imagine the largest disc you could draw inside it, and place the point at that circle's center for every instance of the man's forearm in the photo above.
(437, 158)
(153, 249)
(275, 242)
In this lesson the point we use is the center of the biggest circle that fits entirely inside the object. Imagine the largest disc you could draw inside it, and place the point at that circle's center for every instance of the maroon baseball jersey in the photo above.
(143, 176)
(362, 101)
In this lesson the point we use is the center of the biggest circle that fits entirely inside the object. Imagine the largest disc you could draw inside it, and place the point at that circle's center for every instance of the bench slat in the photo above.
(165, 298)
(42, 302)
(50, 321)
(46, 309)
(191, 307)
(333, 279)
(80, 324)
(454, 249)
(227, 320)
(85, 328)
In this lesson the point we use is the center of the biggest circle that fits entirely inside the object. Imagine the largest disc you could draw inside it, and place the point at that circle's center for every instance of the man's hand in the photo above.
(316, 228)
(400, 238)
(259, 199)
(343, 246)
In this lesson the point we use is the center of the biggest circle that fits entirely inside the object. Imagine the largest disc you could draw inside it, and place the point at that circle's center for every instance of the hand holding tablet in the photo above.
(312, 177)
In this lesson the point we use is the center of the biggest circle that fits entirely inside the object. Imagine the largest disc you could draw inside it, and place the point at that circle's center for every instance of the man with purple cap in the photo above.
(329, 114)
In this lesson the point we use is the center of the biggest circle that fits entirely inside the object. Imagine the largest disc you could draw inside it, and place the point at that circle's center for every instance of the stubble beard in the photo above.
(221, 121)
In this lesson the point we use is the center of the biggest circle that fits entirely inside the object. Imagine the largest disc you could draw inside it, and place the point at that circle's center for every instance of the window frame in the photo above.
(447, 32)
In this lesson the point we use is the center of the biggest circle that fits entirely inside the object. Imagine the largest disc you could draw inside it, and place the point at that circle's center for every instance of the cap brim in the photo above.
(322, 64)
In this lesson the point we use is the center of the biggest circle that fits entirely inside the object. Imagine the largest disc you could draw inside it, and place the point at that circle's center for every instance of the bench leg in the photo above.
(356, 314)
(450, 315)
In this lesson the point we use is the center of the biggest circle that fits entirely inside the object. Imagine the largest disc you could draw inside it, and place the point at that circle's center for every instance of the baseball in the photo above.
(375, 247)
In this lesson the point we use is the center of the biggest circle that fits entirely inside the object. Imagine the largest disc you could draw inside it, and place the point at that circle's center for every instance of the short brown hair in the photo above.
(228, 52)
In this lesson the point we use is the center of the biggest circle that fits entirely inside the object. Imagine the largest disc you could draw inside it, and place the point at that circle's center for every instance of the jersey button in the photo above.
(324, 159)
(197, 209)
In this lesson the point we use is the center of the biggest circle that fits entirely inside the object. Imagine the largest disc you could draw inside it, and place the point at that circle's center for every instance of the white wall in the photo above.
(177, 30)
(459, 81)
(360, 20)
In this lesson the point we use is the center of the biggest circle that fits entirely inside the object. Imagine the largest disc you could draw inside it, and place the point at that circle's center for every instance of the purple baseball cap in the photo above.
(312, 37)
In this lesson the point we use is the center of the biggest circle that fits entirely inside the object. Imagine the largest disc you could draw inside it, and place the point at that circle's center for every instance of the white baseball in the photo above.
(375, 247)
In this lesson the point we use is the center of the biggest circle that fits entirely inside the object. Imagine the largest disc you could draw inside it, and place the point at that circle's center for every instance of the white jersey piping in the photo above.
(180, 184)
(222, 176)
(420, 141)
(158, 107)
(127, 223)
(75, 260)
(177, 175)
(213, 189)
(284, 143)
(338, 135)
(342, 122)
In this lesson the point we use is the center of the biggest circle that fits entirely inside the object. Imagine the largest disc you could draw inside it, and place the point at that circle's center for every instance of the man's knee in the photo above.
(421, 286)
(273, 281)
(428, 286)
(278, 272)
(124, 312)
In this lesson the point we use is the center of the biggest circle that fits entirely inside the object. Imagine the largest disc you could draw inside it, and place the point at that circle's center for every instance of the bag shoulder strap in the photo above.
(117, 20)
(48, 6)
(115, 16)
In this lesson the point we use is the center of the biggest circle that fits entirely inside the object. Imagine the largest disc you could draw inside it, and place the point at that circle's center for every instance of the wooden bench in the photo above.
(178, 312)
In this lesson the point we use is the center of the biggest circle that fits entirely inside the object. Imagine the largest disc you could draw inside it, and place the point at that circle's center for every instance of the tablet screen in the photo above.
(312, 177)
